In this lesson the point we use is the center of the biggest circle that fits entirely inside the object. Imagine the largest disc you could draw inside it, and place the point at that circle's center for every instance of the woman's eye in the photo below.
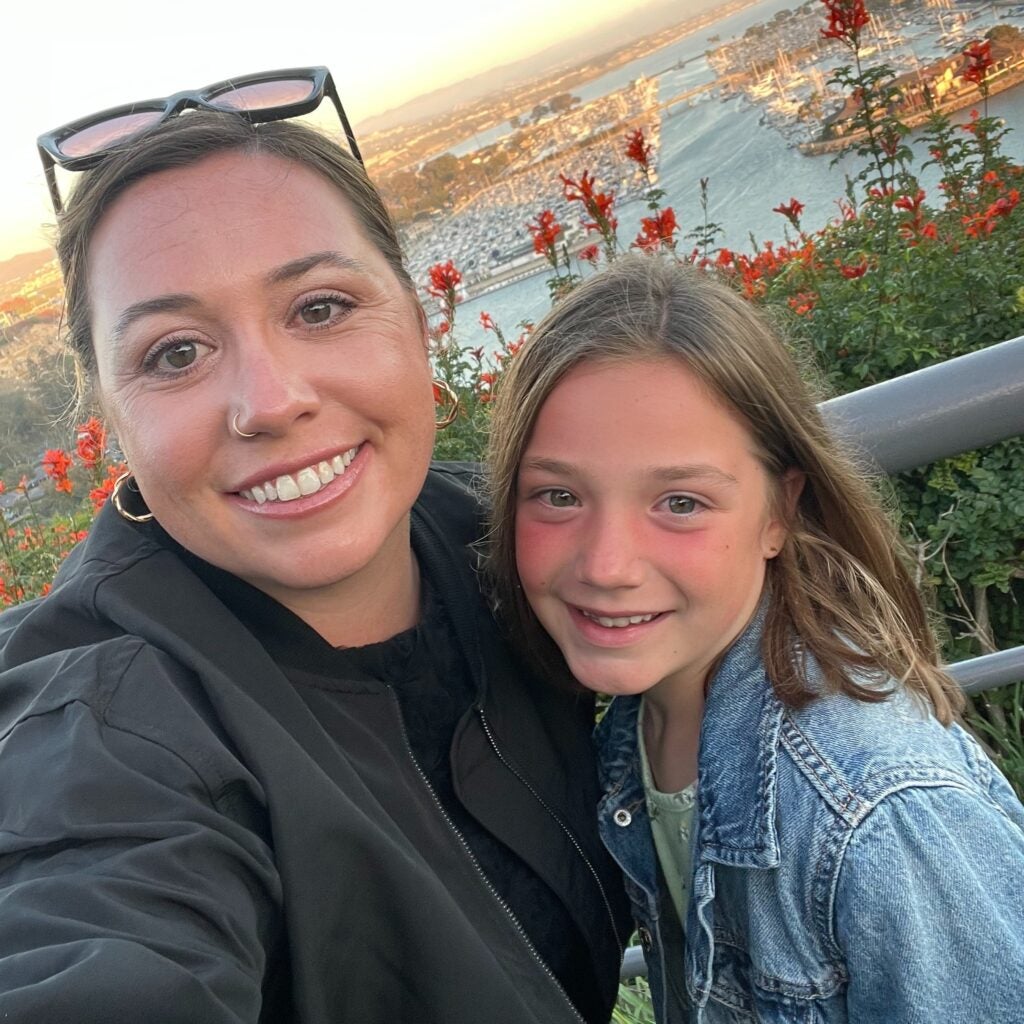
(558, 498)
(316, 312)
(177, 356)
(682, 505)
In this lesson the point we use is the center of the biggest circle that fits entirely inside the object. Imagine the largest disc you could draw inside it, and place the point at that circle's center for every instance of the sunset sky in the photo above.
(62, 60)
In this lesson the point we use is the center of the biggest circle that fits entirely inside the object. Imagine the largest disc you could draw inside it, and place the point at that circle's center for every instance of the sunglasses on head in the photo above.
(267, 96)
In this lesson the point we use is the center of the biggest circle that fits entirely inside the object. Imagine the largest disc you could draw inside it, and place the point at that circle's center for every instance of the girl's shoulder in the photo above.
(854, 753)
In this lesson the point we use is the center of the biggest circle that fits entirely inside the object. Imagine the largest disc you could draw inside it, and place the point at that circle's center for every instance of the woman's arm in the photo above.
(929, 911)
(129, 888)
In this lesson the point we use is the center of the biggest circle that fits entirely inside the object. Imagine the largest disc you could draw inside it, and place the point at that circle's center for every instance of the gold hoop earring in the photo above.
(126, 480)
(451, 399)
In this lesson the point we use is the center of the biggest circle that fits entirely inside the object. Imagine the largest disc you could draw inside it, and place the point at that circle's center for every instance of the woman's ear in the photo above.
(421, 319)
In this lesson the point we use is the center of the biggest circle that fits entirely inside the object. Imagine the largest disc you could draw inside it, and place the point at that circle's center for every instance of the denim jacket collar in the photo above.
(741, 716)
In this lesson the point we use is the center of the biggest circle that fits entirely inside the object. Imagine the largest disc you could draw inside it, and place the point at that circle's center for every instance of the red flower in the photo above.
(477, 353)
(791, 212)
(910, 203)
(91, 443)
(845, 20)
(486, 322)
(99, 495)
(56, 464)
(638, 150)
(802, 303)
(589, 253)
(545, 233)
(852, 272)
(657, 231)
(597, 204)
(444, 279)
(979, 60)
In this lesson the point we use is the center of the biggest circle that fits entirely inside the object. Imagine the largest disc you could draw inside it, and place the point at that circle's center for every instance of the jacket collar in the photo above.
(737, 770)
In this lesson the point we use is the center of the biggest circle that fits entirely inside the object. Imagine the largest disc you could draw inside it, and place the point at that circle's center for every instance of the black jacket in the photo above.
(182, 841)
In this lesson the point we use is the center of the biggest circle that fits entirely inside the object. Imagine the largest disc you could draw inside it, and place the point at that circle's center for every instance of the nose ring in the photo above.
(241, 433)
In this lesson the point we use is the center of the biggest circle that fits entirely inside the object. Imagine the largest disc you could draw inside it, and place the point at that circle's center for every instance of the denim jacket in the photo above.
(853, 862)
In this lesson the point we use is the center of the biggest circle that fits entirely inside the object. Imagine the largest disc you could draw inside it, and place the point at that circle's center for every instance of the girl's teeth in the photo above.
(619, 622)
(307, 481)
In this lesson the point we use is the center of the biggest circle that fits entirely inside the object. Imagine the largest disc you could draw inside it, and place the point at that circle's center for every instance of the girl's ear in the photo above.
(791, 486)
(793, 481)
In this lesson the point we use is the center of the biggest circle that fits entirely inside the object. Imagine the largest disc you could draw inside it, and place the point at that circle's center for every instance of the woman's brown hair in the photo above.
(839, 591)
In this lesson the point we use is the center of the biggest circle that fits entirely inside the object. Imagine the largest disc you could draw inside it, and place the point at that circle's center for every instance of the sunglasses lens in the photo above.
(262, 95)
(98, 137)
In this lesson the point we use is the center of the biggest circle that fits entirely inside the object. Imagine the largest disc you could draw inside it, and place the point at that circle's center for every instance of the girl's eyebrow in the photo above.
(668, 474)
(548, 466)
(698, 471)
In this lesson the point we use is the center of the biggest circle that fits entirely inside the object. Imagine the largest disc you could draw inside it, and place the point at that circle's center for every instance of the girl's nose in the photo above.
(609, 555)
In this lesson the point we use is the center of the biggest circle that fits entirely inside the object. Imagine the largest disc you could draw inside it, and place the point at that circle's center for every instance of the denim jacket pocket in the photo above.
(738, 995)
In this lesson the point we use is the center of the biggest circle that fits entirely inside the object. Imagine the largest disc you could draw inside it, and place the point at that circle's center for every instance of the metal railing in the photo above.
(956, 406)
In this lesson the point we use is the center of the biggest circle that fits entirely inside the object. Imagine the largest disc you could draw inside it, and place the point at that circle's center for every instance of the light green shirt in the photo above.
(673, 827)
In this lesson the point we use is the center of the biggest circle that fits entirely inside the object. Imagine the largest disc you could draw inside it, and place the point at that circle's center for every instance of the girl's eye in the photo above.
(558, 498)
(682, 505)
(176, 356)
(323, 310)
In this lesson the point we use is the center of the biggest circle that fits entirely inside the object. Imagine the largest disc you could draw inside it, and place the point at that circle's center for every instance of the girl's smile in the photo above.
(644, 522)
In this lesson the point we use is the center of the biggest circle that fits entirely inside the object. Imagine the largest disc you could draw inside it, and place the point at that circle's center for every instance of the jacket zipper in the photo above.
(476, 865)
(561, 824)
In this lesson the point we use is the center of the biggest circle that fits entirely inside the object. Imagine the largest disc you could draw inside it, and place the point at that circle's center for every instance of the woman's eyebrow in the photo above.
(176, 302)
(148, 307)
(304, 264)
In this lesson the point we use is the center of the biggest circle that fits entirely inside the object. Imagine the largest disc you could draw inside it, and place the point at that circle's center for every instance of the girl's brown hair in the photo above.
(840, 592)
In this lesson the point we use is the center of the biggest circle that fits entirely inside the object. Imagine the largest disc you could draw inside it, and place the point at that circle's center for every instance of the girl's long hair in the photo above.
(840, 591)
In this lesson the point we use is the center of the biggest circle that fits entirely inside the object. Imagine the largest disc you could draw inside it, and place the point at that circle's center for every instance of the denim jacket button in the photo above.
(646, 943)
(622, 817)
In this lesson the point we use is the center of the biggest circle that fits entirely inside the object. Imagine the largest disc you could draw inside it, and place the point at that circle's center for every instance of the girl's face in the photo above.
(243, 287)
(644, 521)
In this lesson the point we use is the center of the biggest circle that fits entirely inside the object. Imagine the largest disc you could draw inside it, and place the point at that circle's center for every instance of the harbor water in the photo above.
(750, 167)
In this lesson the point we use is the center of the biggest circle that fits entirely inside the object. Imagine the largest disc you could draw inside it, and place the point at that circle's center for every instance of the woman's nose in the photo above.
(272, 387)
(609, 555)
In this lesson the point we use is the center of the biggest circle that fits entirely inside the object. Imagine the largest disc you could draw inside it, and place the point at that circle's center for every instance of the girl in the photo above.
(806, 833)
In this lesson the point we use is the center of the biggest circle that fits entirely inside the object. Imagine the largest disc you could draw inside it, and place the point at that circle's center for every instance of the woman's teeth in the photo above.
(618, 622)
(307, 481)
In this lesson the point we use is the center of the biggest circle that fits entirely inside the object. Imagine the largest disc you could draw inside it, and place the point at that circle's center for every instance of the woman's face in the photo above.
(644, 521)
(243, 286)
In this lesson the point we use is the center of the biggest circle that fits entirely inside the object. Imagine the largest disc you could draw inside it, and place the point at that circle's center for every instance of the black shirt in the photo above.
(424, 668)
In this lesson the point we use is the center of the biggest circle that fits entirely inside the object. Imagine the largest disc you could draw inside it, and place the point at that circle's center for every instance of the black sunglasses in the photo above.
(267, 96)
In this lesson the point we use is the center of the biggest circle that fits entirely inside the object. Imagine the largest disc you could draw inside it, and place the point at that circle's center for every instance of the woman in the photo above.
(263, 755)
(806, 832)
